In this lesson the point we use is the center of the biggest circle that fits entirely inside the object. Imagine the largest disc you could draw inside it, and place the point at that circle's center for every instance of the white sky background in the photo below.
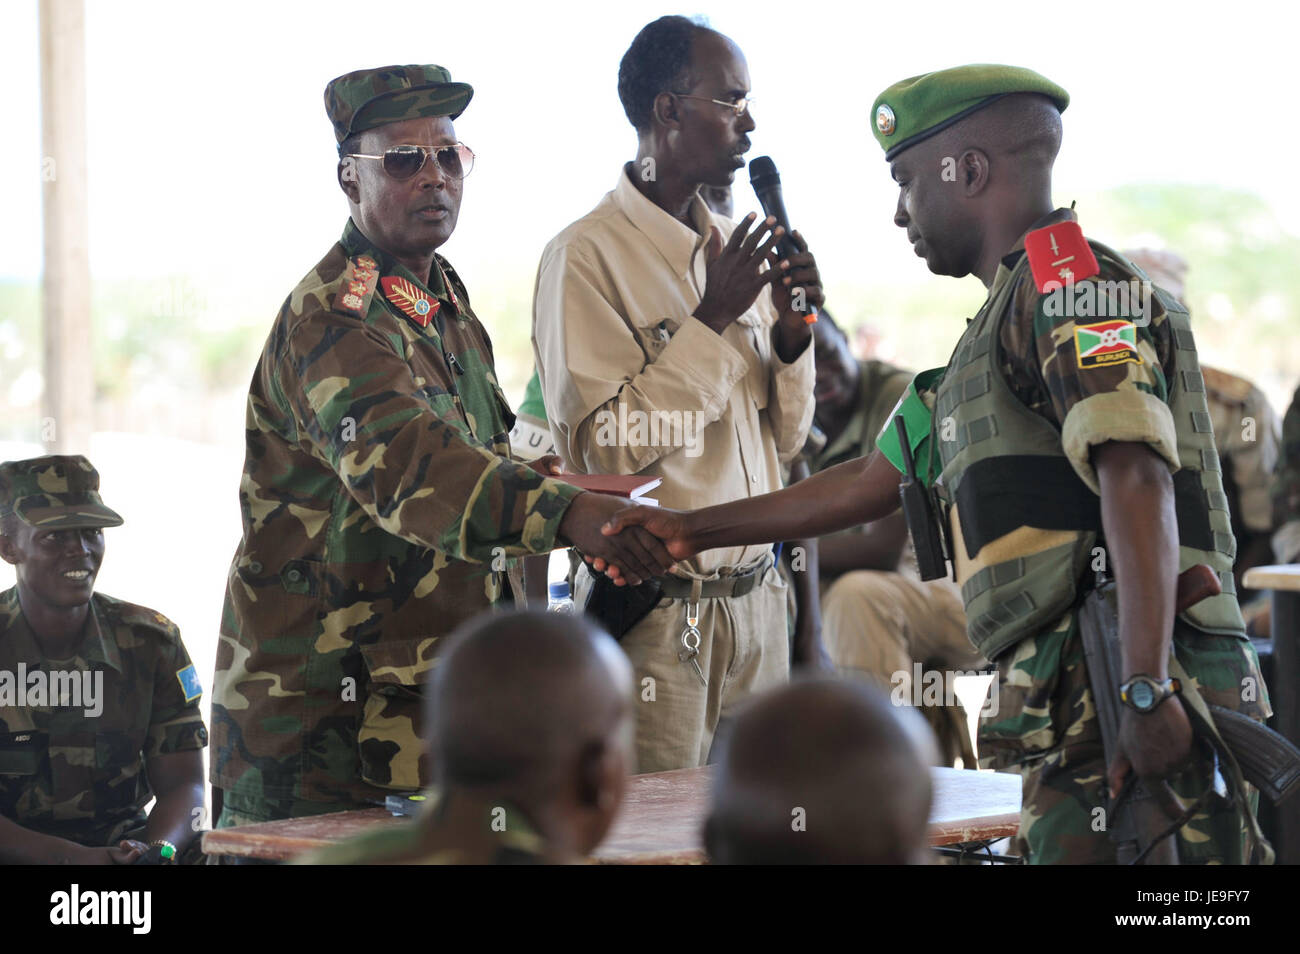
(210, 154)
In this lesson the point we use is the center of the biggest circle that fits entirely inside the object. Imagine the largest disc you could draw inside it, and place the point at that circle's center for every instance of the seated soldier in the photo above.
(99, 702)
(822, 771)
(532, 740)
(878, 617)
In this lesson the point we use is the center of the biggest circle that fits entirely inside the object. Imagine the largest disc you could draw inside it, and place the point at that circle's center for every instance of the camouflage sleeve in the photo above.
(400, 447)
(1103, 378)
(175, 724)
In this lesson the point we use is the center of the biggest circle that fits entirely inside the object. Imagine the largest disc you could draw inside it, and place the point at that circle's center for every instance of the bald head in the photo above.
(526, 702)
(822, 772)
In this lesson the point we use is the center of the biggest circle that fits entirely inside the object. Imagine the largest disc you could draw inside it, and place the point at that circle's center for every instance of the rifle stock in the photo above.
(1266, 759)
(1137, 820)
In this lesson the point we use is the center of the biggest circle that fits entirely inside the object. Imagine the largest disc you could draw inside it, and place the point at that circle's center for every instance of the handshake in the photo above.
(627, 542)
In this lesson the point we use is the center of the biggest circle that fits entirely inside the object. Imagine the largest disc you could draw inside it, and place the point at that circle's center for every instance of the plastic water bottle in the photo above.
(560, 599)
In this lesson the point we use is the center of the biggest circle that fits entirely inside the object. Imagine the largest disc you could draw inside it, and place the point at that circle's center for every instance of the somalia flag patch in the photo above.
(189, 680)
(1106, 343)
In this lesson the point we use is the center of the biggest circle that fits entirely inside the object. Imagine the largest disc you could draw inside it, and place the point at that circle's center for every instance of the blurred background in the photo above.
(211, 191)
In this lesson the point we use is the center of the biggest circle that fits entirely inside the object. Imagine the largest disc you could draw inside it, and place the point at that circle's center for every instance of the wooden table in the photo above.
(660, 821)
(1284, 581)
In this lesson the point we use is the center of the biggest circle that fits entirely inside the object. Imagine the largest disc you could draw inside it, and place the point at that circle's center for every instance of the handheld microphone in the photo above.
(767, 186)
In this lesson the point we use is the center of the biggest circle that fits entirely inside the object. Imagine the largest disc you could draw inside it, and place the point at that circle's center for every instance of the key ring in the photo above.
(692, 627)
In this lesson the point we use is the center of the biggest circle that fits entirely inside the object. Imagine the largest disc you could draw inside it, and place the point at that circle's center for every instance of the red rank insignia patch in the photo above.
(353, 293)
(409, 300)
(1059, 255)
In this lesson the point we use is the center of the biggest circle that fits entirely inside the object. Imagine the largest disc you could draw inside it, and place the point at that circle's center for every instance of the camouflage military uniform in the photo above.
(1286, 488)
(1045, 725)
(506, 838)
(380, 506)
(82, 777)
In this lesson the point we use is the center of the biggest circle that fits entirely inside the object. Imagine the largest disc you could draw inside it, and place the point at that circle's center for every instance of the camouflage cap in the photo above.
(915, 109)
(54, 492)
(365, 99)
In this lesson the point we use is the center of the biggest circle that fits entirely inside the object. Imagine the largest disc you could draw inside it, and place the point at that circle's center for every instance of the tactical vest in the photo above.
(1005, 469)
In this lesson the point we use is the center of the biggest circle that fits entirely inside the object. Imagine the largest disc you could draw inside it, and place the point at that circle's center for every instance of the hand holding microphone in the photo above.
(797, 286)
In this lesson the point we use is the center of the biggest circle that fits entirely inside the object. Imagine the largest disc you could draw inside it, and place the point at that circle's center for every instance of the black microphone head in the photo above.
(763, 174)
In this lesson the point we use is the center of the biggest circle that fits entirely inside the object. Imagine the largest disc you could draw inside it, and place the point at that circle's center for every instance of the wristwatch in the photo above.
(166, 851)
(1142, 693)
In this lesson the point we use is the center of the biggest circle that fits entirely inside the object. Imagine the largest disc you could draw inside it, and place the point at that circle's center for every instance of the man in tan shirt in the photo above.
(667, 349)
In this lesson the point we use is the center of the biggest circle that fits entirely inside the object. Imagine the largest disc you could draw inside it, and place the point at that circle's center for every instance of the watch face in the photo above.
(1142, 694)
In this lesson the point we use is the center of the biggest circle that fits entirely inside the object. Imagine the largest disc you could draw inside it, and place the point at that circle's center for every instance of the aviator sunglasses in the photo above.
(402, 162)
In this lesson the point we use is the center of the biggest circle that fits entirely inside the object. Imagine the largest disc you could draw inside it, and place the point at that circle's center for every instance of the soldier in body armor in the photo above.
(1068, 434)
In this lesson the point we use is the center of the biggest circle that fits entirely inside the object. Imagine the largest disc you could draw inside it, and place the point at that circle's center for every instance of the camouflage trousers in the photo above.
(1045, 728)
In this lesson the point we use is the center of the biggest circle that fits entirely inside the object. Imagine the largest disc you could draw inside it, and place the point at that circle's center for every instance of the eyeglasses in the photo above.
(401, 162)
(739, 107)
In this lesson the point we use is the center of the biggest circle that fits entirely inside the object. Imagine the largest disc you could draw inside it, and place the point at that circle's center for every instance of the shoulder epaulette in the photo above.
(356, 286)
(1058, 255)
(133, 615)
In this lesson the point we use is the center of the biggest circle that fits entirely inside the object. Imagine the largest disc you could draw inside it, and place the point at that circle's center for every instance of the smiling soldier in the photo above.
(379, 499)
(77, 773)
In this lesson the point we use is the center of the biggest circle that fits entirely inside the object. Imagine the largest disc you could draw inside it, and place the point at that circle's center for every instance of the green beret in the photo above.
(365, 99)
(917, 108)
(54, 492)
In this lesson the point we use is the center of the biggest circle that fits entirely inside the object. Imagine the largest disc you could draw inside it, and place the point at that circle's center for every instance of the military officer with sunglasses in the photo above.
(379, 500)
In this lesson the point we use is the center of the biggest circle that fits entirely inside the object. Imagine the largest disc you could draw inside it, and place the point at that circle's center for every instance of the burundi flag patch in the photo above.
(189, 680)
(1106, 343)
